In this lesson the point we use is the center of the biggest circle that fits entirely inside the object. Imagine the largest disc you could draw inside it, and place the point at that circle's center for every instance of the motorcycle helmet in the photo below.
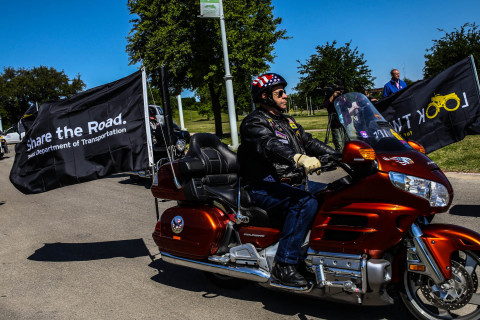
(265, 82)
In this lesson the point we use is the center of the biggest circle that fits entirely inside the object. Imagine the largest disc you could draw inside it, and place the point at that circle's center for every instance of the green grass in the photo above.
(197, 123)
(463, 156)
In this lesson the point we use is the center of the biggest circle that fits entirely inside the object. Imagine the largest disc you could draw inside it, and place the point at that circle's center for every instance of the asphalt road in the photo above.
(86, 252)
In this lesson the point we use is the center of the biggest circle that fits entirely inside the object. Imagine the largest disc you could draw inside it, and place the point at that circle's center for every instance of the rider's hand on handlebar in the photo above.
(308, 163)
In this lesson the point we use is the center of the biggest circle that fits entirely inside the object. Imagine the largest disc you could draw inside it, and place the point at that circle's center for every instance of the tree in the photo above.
(23, 88)
(451, 48)
(169, 33)
(408, 81)
(333, 65)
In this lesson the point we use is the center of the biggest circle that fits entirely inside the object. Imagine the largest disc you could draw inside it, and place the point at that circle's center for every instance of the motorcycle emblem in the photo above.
(177, 224)
(401, 160)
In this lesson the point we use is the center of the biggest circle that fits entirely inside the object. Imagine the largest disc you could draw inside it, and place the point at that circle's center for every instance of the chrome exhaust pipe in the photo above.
(244, 273)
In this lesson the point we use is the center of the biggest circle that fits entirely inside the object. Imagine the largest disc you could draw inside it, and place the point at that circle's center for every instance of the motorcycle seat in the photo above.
(209, 171)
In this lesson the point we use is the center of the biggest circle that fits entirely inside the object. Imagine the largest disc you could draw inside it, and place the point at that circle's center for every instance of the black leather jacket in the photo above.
(269, 143)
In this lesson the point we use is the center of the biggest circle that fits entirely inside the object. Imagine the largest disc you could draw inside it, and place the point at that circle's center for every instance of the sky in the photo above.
(89, 37)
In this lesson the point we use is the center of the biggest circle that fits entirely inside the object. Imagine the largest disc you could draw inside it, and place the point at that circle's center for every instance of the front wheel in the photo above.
(457, 298)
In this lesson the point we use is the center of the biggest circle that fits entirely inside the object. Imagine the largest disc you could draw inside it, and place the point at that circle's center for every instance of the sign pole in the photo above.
(147, 120)
(228, 83)
(180, 112)
(475, 74)
(214, 9)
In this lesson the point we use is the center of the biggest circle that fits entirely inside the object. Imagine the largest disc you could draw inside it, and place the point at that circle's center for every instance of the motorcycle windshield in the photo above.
(362, 121)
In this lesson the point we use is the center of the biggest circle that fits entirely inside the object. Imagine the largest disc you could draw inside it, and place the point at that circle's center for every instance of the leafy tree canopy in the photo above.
(408, 81)
(451, 48)
(22, 88)
(342, 65)
(169, 33)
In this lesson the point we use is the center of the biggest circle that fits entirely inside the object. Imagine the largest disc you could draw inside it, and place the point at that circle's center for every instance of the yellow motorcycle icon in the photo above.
(439, 101)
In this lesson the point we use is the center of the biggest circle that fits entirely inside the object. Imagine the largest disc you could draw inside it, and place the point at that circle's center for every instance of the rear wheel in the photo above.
(457, 298)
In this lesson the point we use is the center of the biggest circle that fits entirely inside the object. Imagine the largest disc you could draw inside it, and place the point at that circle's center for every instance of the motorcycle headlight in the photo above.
(436, 193)
(180, 145)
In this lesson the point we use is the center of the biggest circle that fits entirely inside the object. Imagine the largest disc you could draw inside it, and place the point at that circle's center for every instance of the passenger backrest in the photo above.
(209, 170)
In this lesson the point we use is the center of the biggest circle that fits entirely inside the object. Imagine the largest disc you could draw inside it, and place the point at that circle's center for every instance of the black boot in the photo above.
(287, 275)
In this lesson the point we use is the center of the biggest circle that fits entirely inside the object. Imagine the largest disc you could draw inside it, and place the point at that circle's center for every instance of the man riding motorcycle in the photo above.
(273, 147)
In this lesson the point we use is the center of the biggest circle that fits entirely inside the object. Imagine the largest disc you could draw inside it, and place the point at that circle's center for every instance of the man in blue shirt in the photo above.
(394, 85)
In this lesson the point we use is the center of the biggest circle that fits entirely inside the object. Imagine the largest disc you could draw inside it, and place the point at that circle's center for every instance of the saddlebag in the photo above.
(190, 232)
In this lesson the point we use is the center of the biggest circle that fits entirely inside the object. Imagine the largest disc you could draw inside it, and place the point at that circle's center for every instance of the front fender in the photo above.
(444, 239)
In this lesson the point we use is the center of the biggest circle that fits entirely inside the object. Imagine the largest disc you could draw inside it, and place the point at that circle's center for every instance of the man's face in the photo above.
(280, 96)
(395, 74)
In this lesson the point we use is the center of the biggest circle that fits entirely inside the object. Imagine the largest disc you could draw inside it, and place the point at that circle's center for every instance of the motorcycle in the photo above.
(371, 243)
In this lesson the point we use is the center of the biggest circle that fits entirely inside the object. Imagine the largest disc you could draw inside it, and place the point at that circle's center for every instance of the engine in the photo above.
(350, 272)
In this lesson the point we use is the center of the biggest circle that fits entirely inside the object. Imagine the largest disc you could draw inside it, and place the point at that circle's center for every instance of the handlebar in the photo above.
(331, 162)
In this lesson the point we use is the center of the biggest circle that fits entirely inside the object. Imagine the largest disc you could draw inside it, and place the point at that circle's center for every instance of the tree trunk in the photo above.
(216, 108)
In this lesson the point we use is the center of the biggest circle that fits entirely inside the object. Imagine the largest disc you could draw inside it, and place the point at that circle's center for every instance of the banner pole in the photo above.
(147, 120)
(475, 74)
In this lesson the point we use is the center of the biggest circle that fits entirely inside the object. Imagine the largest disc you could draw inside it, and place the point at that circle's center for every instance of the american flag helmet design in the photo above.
(265, 81)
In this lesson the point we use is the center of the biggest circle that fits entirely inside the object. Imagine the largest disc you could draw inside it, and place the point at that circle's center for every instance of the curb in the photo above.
(465, 173)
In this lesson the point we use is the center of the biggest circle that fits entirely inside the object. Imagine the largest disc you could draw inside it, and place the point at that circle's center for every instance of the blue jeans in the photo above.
(293, 204)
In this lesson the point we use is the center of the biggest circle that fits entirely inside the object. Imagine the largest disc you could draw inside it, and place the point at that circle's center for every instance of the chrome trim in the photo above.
(343, 272)
(334, 254)
(250, 274)
(305, 289)
(320, 264)
(364, 273)
(433, 271)
(348, 285)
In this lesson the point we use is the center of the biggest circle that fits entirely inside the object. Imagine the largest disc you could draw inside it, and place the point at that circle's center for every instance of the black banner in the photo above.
(439, 110)
(86, 137)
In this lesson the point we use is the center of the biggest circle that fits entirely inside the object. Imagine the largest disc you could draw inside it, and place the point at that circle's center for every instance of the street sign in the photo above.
(210, 8)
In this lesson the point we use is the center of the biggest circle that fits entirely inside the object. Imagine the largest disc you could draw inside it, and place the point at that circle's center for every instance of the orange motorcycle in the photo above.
(371, 242)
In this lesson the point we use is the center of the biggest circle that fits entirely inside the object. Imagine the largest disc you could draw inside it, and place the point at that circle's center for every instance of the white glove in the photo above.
(308, 163)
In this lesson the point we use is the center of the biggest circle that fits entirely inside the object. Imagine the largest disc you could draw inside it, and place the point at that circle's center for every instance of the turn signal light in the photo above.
(417, 146)
(417, 267)
(177, 238)
(367, 154)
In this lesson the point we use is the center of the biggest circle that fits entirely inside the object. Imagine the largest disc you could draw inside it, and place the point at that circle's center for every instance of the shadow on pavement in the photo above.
(281, 303)
(117, 175)
(62, 252)
(145, 182)
(465, 210)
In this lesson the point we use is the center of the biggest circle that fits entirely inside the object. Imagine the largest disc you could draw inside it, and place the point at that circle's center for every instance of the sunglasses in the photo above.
(280, 93)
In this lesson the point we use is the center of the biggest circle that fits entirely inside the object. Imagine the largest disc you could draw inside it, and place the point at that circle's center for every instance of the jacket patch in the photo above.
(292, 124)
(269, 179)
(280, 135)
(283, 141)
